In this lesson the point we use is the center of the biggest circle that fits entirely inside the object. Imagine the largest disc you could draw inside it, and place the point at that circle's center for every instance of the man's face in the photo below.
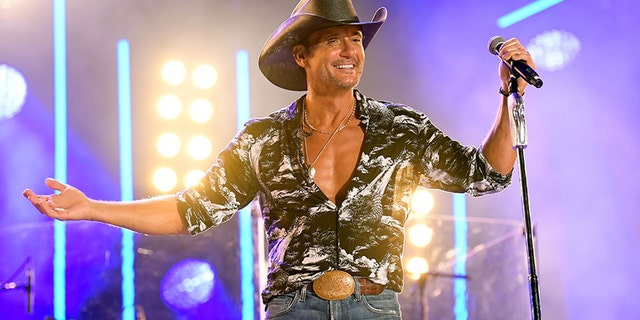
(334, 57)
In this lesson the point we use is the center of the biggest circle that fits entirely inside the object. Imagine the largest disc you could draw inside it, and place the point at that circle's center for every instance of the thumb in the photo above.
(55, 184)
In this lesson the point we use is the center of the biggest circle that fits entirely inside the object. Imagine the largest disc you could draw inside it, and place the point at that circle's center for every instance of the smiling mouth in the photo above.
(345, 66)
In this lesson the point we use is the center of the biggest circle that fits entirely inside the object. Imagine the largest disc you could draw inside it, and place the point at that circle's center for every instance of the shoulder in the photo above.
(395, 114)
(273, 122)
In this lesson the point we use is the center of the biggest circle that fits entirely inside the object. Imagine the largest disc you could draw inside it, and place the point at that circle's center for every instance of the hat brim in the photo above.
(276, 59)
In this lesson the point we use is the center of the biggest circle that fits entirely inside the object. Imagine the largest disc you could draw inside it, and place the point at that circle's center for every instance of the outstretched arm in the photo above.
(498, 145)
(158, 215)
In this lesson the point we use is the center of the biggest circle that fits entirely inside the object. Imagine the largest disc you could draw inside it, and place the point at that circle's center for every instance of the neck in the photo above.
(328, 109)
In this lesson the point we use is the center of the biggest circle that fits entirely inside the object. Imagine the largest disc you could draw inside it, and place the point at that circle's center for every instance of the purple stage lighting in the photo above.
(13, 91)
(188, 284)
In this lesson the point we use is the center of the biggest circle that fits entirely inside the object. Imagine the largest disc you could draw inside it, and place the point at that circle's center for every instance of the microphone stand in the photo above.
(28, 287)
(520, 140)
(422, 283)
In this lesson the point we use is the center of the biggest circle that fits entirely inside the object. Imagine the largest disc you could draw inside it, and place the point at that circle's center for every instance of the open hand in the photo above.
(69, 204)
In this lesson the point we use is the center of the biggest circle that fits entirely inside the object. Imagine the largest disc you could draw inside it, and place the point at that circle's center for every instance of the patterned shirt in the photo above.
(308, 234)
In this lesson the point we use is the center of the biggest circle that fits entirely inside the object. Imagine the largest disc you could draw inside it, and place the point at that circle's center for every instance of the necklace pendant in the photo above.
(312, 173)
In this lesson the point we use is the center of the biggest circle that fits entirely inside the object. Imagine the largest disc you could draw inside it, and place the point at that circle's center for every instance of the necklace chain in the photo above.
(343, 124)
(338, 129)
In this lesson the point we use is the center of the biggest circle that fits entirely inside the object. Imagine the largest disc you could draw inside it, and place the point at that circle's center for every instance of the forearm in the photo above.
(158, 215)
(498, 145)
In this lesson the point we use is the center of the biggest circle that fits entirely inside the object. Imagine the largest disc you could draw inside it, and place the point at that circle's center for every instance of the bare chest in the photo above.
(334, 161)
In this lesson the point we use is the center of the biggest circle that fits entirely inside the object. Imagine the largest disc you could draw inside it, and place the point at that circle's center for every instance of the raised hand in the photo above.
(69, 204)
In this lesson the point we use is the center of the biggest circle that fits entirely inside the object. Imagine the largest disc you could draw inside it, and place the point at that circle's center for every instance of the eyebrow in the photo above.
(336, 33)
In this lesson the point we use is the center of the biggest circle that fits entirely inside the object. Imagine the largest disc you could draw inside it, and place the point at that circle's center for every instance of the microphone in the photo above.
(518, 68)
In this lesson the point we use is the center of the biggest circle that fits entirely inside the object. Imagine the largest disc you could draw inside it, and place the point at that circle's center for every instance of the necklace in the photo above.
(338, 129)
(343, 124)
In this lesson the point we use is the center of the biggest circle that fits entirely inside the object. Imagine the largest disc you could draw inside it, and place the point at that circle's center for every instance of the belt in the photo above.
(337, 285)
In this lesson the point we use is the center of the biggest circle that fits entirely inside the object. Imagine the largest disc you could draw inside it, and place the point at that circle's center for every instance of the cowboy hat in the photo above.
(276, 59)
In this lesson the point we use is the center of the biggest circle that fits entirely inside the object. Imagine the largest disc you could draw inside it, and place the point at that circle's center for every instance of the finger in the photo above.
(38, 202)
(55, 184)
(27, 193)
(46, 207)
(512, 49)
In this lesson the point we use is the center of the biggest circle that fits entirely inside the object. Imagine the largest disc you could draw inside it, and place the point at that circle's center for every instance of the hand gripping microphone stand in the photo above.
(519, 138)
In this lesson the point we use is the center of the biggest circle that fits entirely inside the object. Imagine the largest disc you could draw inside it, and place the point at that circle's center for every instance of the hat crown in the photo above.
(334, 10)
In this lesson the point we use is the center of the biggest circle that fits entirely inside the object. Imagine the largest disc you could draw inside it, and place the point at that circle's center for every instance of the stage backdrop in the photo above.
(432, 55)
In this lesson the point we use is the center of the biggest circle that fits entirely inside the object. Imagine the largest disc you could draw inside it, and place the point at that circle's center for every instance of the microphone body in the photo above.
(518, 68)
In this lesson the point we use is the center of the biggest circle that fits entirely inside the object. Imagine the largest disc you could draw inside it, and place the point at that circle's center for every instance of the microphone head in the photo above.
(495, 43)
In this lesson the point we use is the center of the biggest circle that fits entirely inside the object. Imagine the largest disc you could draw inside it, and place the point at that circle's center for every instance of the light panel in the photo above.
(525, 12)
(205, 76)
(201, 110)
(199, 147)
(168, 144)
(60, 110)
(422, 201)
(169, 107)
(165, 179)
(126, 176)
(174, 72)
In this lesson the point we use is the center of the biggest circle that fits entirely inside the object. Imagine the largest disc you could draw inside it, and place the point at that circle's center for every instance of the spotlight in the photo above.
(553, 50)
(205, 76)
(174, 72)
(199, 147)
(193, 177)
(13, 91)
(164, 179)
(169, 106)
(188, 284)
(417, 266)
(168, 144)
(201, 110)
(420, 235)
(422, 201)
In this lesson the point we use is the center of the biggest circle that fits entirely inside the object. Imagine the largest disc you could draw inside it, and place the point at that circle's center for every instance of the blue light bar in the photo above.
(60, 115)
(525, 12)
(126, 176)
(246, 235)
(460, 228)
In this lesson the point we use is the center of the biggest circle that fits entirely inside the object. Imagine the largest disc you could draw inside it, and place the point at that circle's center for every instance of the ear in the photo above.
(299, 55)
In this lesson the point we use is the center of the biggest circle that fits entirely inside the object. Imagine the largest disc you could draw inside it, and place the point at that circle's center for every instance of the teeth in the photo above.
(345, 66)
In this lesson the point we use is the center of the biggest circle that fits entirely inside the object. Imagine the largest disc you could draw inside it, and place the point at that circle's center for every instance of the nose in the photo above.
(349, 48)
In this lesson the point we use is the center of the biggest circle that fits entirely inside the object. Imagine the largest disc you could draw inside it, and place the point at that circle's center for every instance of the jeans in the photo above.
(302, 304)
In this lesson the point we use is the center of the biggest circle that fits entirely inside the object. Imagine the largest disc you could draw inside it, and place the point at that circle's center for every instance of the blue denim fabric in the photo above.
(302, 304)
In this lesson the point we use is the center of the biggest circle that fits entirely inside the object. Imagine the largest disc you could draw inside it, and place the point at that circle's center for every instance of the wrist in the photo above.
(506, 93)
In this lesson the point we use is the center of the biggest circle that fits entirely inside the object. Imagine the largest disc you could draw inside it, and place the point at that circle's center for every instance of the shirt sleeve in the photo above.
(229, 185)
(450, 166)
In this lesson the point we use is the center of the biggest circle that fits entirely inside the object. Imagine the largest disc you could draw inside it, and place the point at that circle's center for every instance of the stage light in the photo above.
(165, 179)
(13, 91)
(420, 235)
(205, 76)
(553, 50)
(199, 147)
(417, 266)
(192, 178)
(169, 106)
(188, 284)
(201, 110)
(174, 72)
(168, 144)
(422, 201)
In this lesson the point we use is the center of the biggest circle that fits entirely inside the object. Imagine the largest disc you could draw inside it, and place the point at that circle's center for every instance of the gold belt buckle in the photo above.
(334, 285)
